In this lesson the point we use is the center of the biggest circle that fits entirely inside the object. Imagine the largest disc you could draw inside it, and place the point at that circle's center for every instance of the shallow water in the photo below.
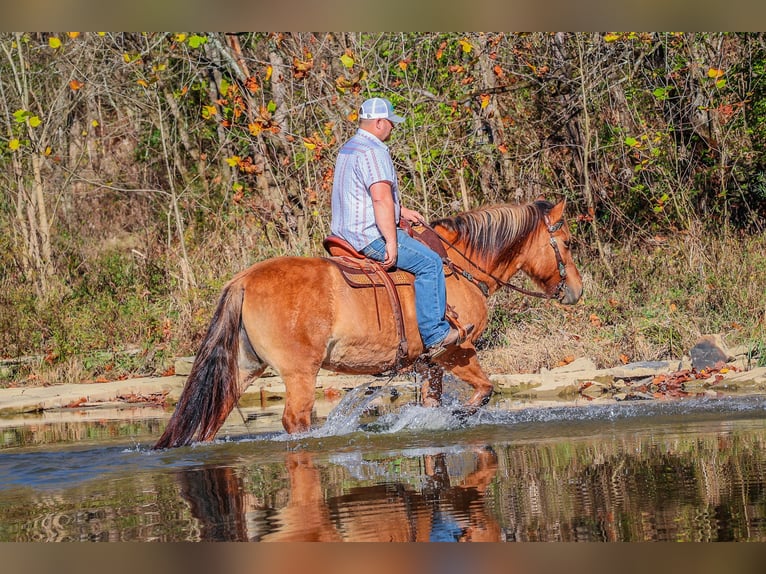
(692, 470)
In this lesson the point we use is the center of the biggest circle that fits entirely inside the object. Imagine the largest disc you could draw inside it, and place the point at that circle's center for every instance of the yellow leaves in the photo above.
(54, 42)
(466, 46)
(180, 38)
(209, 112)
(310, 145)
(714, 73)
(143, 83)
(94, 123)
(73, 35)
(611, 37)
(269, 71)
(255, 128)
(347, 59)
(484, 98)
(233, 160)
(717, 75)
(14, 144)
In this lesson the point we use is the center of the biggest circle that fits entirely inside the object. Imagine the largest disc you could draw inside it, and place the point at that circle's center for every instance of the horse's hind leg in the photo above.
(299, 401)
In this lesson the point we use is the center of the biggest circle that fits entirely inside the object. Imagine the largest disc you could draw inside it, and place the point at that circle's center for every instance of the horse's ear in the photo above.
(556, 213)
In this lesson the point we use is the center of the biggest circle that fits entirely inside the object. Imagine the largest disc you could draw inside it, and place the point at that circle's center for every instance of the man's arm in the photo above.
(385, 219)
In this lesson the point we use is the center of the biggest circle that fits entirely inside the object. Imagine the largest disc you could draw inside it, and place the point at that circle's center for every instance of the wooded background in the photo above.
(141, 170)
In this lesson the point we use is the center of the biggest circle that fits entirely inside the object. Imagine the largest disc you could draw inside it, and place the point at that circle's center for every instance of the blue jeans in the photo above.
(430, 290)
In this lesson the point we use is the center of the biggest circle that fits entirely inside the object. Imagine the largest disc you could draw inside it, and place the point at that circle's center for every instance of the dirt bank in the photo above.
(643, 380)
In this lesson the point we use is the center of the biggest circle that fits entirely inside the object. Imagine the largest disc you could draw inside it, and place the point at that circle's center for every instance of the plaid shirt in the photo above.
(362, 161)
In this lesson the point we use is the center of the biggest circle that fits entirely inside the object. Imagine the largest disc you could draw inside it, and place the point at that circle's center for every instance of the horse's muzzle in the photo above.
(570, 296)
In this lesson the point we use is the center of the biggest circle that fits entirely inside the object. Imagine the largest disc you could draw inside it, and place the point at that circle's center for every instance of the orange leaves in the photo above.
(75, 85)
(317, 144)
(301, 68)
(76, 403)
(566, 360)
(251, 84)
(353, 83)
(440, 51)
(595, 320)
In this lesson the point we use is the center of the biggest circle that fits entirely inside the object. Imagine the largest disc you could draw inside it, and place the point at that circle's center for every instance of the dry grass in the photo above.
(663, 295)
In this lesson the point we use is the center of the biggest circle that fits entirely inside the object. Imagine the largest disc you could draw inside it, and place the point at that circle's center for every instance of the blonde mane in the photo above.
(496, 233)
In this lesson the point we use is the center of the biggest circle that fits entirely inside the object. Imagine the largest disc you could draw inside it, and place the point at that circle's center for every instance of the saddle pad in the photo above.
(362, 273)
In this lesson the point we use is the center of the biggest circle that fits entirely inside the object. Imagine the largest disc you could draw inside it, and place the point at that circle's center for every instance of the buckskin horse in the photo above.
(298, 315)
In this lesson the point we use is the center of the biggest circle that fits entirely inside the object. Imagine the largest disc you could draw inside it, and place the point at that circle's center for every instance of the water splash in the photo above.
(345, 417)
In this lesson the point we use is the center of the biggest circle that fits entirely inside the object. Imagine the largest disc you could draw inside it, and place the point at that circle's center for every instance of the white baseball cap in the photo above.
(379, 108)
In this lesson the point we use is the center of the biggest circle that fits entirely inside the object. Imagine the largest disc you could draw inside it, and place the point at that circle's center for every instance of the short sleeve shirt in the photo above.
(362, 161)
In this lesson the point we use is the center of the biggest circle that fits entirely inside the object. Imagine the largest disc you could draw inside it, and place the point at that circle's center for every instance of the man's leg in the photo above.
(430, 289)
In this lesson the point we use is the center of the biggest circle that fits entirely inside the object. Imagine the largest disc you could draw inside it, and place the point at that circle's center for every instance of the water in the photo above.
(377, 468)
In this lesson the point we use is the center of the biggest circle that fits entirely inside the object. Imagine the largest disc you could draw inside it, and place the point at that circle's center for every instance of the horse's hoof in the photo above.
(462, 414)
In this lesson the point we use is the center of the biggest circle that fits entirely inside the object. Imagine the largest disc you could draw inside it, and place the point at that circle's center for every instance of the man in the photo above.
(366, 212)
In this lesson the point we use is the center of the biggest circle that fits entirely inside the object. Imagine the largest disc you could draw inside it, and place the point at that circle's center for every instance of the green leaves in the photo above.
(196, 41)
(662, 93)
(22, 116)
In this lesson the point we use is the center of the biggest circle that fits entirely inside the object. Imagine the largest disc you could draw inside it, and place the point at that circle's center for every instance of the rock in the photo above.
(709, 350)
(643, 369)
(576, 366)
(183, 366)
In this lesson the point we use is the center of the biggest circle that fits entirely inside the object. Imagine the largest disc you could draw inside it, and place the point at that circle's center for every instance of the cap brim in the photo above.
(396, 119)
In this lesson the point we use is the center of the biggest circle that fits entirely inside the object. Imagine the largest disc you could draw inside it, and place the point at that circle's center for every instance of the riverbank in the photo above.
(646, 380)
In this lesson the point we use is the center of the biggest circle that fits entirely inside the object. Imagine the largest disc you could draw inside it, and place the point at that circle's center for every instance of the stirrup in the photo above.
(440, 348)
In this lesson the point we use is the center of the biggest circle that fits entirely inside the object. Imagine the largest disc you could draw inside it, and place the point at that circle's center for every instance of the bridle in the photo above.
(484, 288)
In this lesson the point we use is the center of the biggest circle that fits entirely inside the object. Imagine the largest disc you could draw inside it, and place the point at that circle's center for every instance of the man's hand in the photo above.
(411, 215)
(392, 252)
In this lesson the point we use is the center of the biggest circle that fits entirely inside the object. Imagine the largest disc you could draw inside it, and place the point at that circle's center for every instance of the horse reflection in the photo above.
(389, 512)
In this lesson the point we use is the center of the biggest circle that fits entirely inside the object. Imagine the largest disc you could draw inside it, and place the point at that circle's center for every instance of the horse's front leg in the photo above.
(431, 389)
(463, 362)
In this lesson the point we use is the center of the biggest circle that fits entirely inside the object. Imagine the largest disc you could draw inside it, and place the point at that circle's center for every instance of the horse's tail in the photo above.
(212, 388)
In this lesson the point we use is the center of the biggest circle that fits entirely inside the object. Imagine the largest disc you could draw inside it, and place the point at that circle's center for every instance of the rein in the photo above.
(484, 288)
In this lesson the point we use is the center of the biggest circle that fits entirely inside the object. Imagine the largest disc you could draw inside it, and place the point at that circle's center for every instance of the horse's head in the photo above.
(548, 259)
